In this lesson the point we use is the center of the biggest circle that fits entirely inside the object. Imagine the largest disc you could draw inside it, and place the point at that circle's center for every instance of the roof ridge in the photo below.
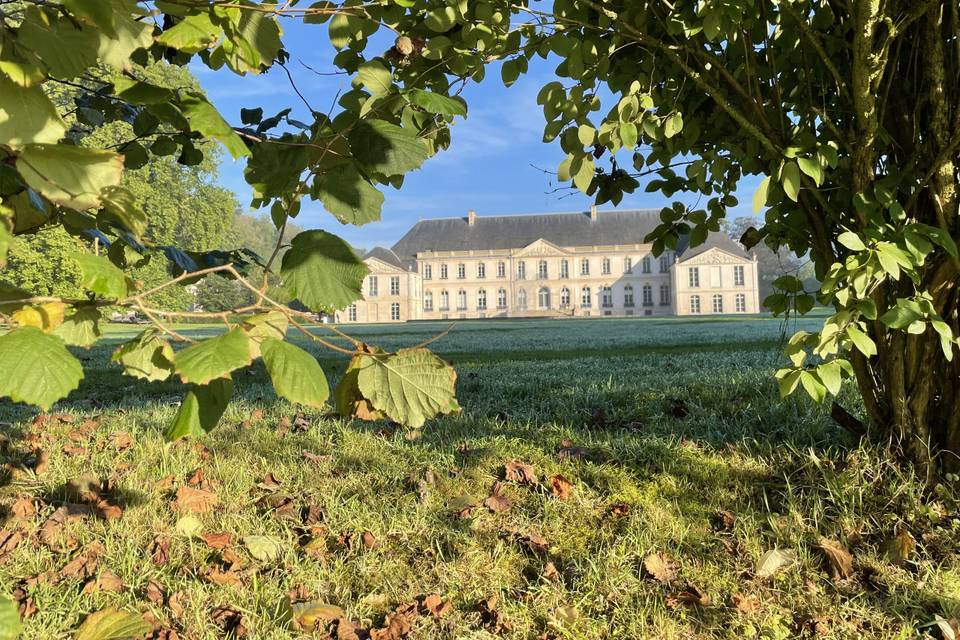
(542, 213)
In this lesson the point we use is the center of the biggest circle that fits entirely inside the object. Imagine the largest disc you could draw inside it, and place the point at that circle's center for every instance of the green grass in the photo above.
(782, 468)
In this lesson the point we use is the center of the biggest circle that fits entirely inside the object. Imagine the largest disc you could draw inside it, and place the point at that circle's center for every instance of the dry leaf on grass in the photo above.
(217, 540)
(746, 604)
(520, 472)
(560, 487)
(195, 500)
(550, 572)
(8, 542)
(839, 562)
(497, 502)
(315, 615)
(121, 440)
(23, 508)
(660, 567)
(160, 551)
(369, 540)
(230, 621)
(692, 596)
(774, 561)
(436, 606)
(723, 521)
(898, 549)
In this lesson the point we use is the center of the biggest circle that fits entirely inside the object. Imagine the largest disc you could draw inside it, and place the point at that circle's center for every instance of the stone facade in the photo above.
(541, 278)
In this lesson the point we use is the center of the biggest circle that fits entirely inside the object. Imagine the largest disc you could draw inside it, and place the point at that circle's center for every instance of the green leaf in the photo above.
(137, 92)
(95, 12)
(296, 374)
(99, 275)
(437, 103)
(673, 125)
(111, 624)
(253, 40)
(761, 194)
(213, 358)
(788, 380)
(263, 548)
(811, 167)
(272, 324)
(812, 385)
(348, 196)
(65, 50)
(375, 77)
(22, 74)
(441, 20)
(10, 626)
(862, 341)
(586, 135)
(37, 368)
(583, 178)
(385, 148)
(322, 271)
(120, 206)
(829, 373)
(148, 356)
(27, 116)
(192, 34)
(70, 176)
(82, 329)
(201, 409)
(629, 134)
(851, 241)
(205, 119)
(131, 36)
(790, 179)
(410, 386)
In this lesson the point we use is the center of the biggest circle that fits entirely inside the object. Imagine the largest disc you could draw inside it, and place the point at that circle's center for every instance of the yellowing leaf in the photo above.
(70, 176)
(47, 316)
(760, 195)
(189, 526)
(111, 624)
(263, 548)
(27, 115)
(9, 619)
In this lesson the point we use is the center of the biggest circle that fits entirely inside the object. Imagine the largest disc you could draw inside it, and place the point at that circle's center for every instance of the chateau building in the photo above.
(592, 263)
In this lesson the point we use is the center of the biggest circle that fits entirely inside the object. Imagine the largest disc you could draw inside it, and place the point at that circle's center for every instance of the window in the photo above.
(542, 269)
(647, 295)
(481, 270)
(443, 272)
(352, 313)
(694, 304)
(502, 298)
(482, 300)
(395, 311)
(664, 263)
(694, 277)
(461, 300)
(521, 299)
(717, 303)
(740, 301)
(605, 266)
(543, 298)
(394, 285)
(428, 272)
(521, 270)
(664, 294)
(628, 265)
(501, 270)
(628, 295)
(584, 267)
(428, 301)
(564, 298)
(738, 279)
(564, 268)
(606, 296)
(372, 286)
(461, 271)
(444, 301)
(585, 297)
(645, 265)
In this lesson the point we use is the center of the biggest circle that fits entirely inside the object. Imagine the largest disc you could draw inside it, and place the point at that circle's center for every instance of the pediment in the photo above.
(379, 266)
(542, 247)
(715, 256)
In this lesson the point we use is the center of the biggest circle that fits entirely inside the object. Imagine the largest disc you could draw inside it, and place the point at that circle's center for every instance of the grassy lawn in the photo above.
(684, 468)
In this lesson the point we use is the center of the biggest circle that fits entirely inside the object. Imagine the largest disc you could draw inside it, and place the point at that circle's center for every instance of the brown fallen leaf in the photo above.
(618, 509)
(160, 551)
(723, 521)
(569, 451)
(54, 532)
(73, 450)
(86, 488)
(560, 487)
(230, 621)
(746, 604)
(692, 596)
(839, 562)
(269, 482)
(436, 606)
(316, 458)
(491, 617)
(155, 593)
(369, 540)
(312, 514)
(195, 500)
(23, 508)
(520, 472)
(550, 572)
(463, 505)
(813, 626)
(121, 441)
(217, 540)
(533, 542)
(229, 578)
(106, 581)
(497, 502)
(660, 567)
(397, 625)
(8, 542)
(898, 549)
(85, 564)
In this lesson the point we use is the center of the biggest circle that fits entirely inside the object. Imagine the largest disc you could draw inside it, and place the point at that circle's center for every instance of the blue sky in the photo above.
(489, 166)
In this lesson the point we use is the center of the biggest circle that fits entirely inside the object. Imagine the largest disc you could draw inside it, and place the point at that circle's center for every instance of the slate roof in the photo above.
(714, 241)
(385, 255)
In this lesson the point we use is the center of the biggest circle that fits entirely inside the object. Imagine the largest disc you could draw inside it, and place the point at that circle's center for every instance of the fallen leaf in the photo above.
(23, 508)
(692, 596)
(569, 451)
(660, 567)
(436, 606)
(746, 604)
(121, 440)
(263, 548)
(560, 487)
(106, 581)
(397, 626)
(73, 450)
(228, 578)
(232, 559)
(463, 505)
(520, 472)
(369, 540)
(550, 572)
(774, 561)
(111, 624)
(195, 500)
(8, 542)
(564, 615)
(314, 615)
(814, 626)
(54, 532)
(839, 560)
(497, 502)
(160, 551)
(491, 617)
(86, 488)
(723, 521)
(85, 564)
(899, 548)
(188, 526)
(177, 603)
(949, 629)
(534, 542)
(269, 482)
(618, 509)
(315, 458)
(155, 593)
(229, 620)
(217, 540)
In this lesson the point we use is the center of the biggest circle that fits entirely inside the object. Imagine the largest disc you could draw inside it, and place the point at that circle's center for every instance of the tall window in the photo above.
(606, 296)
(741, 303)
(482, 300)
(694, 304)
(372, 286)
(521, 299)
(738, 278)
(694, 277)
(585, 297)
(717, 303)
(395, 311)
(428, 272)
(543, 298)
(584, 266)
(628, 265)
(443, 272)
(428, 301)
(542, 269)
(352, 312)
(645, 265)
(444, 300)
(664, 294)
(605, 266)
(481, 270)
(564, 298)
(521, 270)
(461, 300)
(501, 270)
(647, 295)
(461, 271)
(502, 299)
(628, 295)
(664, 263)
(394, 285)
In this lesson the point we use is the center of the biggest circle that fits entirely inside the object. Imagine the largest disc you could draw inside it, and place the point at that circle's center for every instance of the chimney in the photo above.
(593, 212)
(471, 217)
